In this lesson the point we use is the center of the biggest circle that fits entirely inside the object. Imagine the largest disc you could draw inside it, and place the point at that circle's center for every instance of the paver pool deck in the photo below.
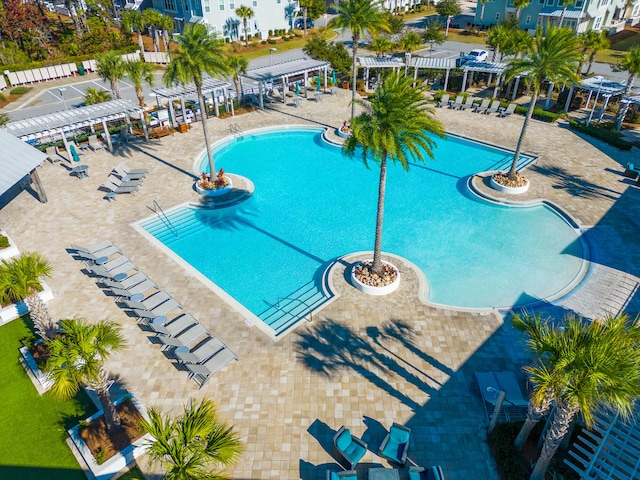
(362, 362)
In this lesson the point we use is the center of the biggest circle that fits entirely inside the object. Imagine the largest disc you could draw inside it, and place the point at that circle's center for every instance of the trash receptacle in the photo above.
(80, 70)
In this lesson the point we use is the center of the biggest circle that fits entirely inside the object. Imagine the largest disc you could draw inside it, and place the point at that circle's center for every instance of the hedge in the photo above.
(606, 136)
(540, 114)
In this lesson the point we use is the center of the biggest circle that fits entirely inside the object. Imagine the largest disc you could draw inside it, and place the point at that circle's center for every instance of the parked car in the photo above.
(299, 23)
(476, 55)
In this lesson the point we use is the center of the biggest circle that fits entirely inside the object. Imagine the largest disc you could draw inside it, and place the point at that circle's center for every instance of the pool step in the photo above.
(293, 308)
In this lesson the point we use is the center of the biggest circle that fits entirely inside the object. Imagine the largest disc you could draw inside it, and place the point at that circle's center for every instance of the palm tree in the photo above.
(165, 23)
(395, 125)
(554, 58)
(95, 95)
(245, 13)
(631, 64)
(593, 42)
(519, 5)
(139, 72)
(197, 53)
(565, 4)
(581, 367)
(77, 358)
(304, 6)
(153, 18)
(482, 11)
(381, 45)
(434, 35)
(20, 279)
(110, 66)
(359, 16)
(192, 445)
(238, 66)
(520, 42)
(411, 41)
(498, 37)
(132, 21)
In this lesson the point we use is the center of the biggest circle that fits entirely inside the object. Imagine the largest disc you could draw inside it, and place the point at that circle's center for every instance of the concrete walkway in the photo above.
(364, 362)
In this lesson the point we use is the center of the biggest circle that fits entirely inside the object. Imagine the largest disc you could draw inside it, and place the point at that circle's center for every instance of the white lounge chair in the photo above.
(443, 101)
(483, 106)
(202, 352)
(94, 143)
(508, 111)
(467, 103)
(493, 108)
(177, 326)
(93, 249)
(457, 103)
(201, 373)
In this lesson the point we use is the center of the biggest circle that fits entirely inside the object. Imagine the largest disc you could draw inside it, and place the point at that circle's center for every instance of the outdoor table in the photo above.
(81, 171)
(297, 101)
(136, 297)
(84, 146)
(383, 474)
(334, 91)
(101, 260)
(119, 276)
(318, 96)
(161, 320)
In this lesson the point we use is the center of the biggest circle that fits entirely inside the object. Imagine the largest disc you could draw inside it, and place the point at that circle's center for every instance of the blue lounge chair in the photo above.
(345, 475)
(348, 449)
(421, 473)
(395, 446)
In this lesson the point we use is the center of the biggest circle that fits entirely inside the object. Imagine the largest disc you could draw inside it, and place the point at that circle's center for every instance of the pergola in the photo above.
(447, 64)
(600, 85)
(17, 160)
(209, 85)
(60, 123)
(284, 71)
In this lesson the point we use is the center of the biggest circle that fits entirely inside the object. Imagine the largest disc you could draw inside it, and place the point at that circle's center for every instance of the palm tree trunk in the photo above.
(140, 42)
(246, 34)
(592, 58)
(115, 88)
(111, 419)
(140, 95)
(165, 38)
(304, 19)
(513, 171)
(481, 13)
(534, 415)
(40, 316)
(564, 11)
(624, 106)
(353, 77)
(559, 428)
(203, 114)
(377, 248)
(495, 53)
(236, 83)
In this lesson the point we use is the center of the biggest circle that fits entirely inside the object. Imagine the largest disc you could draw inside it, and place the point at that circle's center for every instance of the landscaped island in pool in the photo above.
(311, 205)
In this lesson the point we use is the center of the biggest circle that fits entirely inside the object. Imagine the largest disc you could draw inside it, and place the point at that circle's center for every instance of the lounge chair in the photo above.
(160, 310)
(491, 383)
(186, 337)
(421, 473)
(493, 108)
(93, 249)
(467, 103)
(149, 303)
(177, 326)
(202, 352)
(482, 107)
(443, 101)
(112, 187)
(508, 111)
(94, 143)
(345, 475)
(203, 372)
(140, 288)
(100, 271)
(631, 172)
(457, 103)
(127, 283)
(124, 176)
(118, 182)
(52, 154)
(395, 446)
(132, 171)
(105, 252)
(348, 449)
(115, 263)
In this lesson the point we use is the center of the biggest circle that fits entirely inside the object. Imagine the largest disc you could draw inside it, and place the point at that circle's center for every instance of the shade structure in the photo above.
(17, 160)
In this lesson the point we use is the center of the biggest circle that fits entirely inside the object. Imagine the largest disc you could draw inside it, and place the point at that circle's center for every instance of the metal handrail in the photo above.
(157, 209)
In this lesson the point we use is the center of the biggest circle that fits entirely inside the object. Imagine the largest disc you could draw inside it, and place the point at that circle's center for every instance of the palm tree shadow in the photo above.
(575, 185)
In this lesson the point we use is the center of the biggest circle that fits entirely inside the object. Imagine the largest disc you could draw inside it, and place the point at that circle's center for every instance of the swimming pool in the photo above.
(311, 204)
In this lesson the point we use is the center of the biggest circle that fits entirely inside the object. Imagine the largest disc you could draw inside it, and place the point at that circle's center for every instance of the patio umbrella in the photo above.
(334, 80)
(297, 88)
(74, 154)
(319, 83)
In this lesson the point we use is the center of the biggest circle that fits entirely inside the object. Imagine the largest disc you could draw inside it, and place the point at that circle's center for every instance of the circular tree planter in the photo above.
(370, 290)
(510, 190)
(342, 134)
(216, 192)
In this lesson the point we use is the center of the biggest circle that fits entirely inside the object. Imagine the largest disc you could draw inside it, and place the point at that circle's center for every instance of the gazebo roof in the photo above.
(17, 160)
(436, 63)
(73, 118)
(208, 85)
(286, 69)
(381, 62)
(601, 84)
(485, 67)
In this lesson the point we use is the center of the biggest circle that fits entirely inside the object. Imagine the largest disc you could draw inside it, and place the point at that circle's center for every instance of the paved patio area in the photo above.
(363, 362)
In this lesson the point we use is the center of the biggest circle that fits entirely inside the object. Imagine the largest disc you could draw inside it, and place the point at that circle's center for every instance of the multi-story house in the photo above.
(581, 15)
(220, 17)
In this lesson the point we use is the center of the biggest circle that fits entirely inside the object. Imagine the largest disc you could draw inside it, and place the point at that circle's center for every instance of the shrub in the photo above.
(271, 33)
(540, 114)
(3, 97)
(438, 95)
(286, 39)
(4, 241)
(608, 137)
(227, 40)
(263, 42)
(21, 90)
(271, 42)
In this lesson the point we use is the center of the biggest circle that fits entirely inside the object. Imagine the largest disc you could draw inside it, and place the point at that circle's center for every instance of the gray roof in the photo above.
(17, 160)
(286, 69)
(557, 13)
(485, 67)
(438, 63)
(381, 62)
(601, 84)
(72, 119)
(208, 85)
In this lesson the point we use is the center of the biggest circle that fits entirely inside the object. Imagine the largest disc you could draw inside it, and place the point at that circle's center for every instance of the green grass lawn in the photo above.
(34, 428)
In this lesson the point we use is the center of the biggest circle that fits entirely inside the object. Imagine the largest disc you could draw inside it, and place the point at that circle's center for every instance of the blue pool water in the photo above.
(311, 204)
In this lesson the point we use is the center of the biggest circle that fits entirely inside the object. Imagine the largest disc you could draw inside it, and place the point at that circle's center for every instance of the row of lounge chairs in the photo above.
(123, 179)
(477, 105)
(53, 154)
(189, 342)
